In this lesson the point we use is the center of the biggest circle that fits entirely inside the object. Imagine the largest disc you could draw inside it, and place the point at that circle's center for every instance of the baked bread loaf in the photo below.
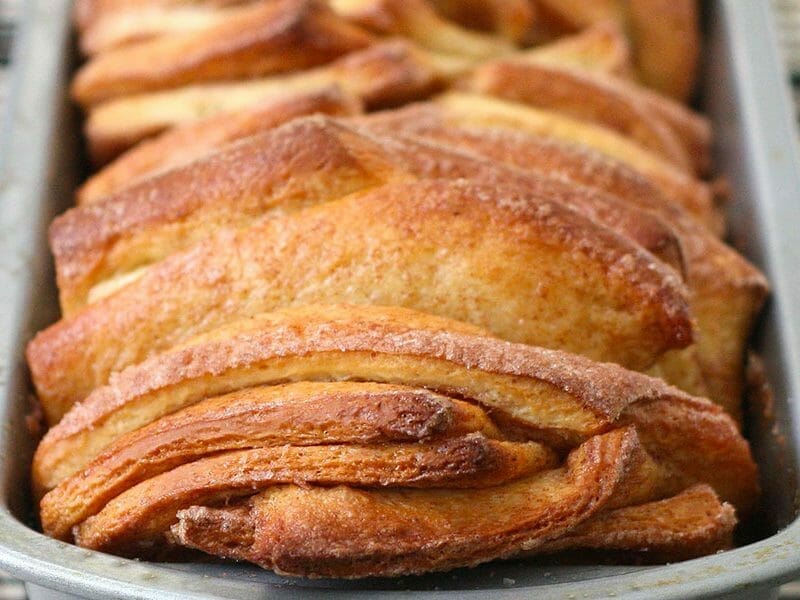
(311, 328)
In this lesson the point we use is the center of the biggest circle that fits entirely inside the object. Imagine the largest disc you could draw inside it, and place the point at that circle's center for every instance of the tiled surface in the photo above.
(788, 21)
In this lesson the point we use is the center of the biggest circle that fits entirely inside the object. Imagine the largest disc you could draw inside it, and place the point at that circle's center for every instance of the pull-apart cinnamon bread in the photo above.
(337, 342)
(129, 458)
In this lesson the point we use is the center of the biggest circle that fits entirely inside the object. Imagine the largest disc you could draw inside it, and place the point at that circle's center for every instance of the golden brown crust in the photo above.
(413, 234)
(573, 162)
(305, 163)
(384, 74)
(256, 40)
(137, 519)
(539, 394)
(342, 532)
(87, 13)
(125, 24)
(107, 25)
(300, 414)
(632, 112)
(688, 525)
(475, 110)
(428, 159)
(693, 129)
(726, 463)
(138, 24)
(190, 142)
(727, 291)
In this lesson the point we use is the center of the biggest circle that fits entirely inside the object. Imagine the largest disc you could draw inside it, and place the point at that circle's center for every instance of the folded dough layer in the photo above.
(344, 532)
(544, 395)
(490, 255)
(384, 74)
(300, 414)
(137, 520)
(182, 145)
(307, 162)
(664, 126)
(664, 34)
(476, 110)
(257, 39)
(688, 525)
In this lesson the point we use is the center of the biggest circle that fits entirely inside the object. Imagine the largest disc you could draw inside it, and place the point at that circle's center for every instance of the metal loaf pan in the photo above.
(41, 160)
